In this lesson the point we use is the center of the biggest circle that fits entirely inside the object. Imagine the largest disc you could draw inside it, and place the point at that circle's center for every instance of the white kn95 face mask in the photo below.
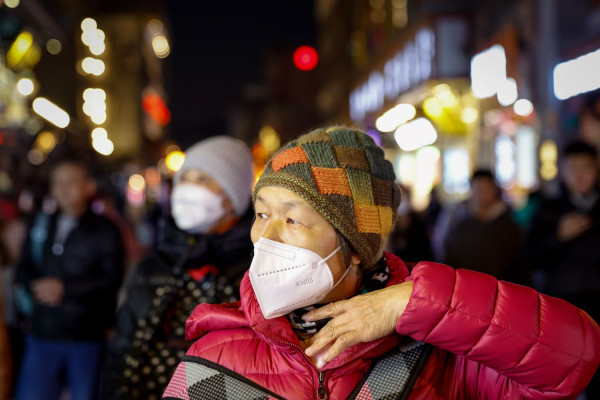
(195, 208)
(286, 277)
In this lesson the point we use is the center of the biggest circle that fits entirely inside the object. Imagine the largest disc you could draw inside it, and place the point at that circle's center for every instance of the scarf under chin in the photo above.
(373, 279)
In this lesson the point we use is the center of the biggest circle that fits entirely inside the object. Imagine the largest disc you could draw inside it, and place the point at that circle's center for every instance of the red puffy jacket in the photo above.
(493, 340)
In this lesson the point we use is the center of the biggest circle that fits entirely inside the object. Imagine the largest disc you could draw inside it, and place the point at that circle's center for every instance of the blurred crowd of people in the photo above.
(550, 243)
(64, 271)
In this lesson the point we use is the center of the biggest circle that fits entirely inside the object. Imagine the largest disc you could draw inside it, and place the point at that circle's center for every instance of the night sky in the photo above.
(217, 48)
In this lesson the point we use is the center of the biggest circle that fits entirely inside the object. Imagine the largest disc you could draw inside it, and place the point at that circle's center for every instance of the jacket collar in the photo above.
(278, 331)
(224, 249)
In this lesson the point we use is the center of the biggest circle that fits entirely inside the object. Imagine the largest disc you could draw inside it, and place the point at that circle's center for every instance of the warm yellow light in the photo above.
(433, 108)
(137, 183)
(548, 159)
(415, 134)
(88, 24)
(406, 165)
(103, 146)
(269, 138)
(98, 118)
(93, 37)
(51, 112)
(174, 160)
(92, 66)
(25, 86)
(548, 171)
(86, 37)
(23, 51)
(155, 26)
(46, 141)
(12, 3)
(444, 96)
(94, 107)
(395, 117)
(99, 134)
(91, 94)
(548, 151)
(160, 45)
(427, 170)
(442, 91)
(468, 115)
(97, 48)
(100, 35)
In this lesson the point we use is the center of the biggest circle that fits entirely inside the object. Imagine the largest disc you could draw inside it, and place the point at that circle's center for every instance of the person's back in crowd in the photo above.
(482, 234)
(204, 251)
(67, 280)
(563, 243)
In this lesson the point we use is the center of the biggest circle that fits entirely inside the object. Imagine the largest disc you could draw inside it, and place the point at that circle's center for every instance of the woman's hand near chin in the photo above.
(362, 318)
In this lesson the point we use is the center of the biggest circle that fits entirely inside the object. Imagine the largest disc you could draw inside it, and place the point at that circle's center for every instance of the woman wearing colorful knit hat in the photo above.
(325, 313)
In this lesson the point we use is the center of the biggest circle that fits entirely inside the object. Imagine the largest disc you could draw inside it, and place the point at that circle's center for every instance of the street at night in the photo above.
(318, 199)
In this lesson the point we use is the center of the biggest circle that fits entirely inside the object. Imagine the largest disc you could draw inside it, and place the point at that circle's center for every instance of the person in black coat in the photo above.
(68, 277)
(203, 253)
(482, 235)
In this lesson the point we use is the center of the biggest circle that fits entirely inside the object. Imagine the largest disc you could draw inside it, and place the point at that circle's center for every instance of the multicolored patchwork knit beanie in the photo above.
(342, 173)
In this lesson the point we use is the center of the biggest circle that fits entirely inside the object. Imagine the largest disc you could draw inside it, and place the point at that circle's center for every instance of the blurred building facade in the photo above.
(451, 86)
(101, 64)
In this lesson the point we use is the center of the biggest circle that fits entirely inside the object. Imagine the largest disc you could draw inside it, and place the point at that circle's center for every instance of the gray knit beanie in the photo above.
(229, 162)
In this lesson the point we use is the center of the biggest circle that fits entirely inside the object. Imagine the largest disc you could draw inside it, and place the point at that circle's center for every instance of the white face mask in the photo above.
(195, 208)
(286, 277)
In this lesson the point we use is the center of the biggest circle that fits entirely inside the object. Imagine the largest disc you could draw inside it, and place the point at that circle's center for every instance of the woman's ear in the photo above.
(354, 259)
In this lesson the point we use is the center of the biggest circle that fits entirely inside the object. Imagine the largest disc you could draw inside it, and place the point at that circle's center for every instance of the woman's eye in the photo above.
(292, 221)
(261, 215)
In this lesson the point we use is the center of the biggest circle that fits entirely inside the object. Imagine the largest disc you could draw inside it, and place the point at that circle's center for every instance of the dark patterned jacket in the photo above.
(163, 290)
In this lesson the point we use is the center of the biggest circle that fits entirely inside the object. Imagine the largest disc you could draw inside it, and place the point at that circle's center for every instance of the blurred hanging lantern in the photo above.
(156, 108)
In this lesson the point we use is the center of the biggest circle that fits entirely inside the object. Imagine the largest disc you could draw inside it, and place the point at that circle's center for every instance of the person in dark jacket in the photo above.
(204, 252)
(482, 234)
(563, 244)
(68, 275)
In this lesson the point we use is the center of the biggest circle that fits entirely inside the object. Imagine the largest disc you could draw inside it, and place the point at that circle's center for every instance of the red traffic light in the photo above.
(306, 58)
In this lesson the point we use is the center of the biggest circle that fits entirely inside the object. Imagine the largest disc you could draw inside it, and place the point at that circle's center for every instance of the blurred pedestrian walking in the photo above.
(68, 277)
(482, 235)
(205, 249)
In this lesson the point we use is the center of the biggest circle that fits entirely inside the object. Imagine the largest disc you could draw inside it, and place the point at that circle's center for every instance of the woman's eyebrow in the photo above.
(290, 204)
(285, 205)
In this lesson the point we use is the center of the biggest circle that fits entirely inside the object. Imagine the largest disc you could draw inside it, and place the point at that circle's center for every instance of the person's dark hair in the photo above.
(72, 160)
(483, 173)
(579, 148)
(345, 247)
(347, 251)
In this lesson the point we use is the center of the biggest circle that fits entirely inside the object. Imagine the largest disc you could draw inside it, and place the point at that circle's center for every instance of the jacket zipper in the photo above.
(321, 391)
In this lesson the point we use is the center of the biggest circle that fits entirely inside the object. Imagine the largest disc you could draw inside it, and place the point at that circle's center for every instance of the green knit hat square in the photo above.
(343, 174)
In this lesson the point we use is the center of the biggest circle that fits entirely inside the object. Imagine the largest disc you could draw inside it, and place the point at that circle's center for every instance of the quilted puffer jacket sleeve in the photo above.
(544, 346)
